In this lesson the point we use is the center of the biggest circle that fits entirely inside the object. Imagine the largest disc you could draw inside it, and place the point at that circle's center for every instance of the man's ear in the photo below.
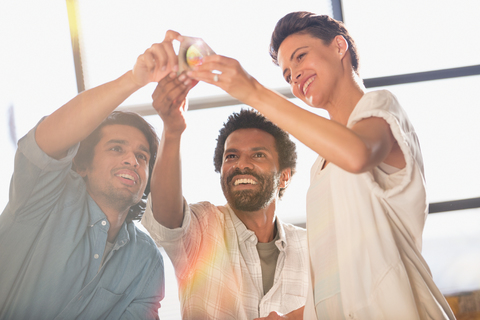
(285, 177)
(81, 170)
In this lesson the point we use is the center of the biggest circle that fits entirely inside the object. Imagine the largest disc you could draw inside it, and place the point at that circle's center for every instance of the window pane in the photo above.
(114, 33)
(450, 247)
(37, 72)
(398, 37)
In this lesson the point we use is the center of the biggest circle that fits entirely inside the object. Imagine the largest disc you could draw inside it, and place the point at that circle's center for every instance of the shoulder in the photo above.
(142, 241)
(206, 210)
(377, 100)
(381, 104)
(203, 206)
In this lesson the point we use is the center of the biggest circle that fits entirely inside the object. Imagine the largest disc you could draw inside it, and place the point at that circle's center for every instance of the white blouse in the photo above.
(365, 230)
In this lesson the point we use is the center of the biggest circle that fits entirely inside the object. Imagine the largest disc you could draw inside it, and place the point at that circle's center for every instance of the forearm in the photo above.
(296, 314)
(75, 120)
(166, 183)
(331, 140)
(293, 315)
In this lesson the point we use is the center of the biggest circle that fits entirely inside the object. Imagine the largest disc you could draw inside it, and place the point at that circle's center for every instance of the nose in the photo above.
(244, 162)
(130, 159)
(297, 75)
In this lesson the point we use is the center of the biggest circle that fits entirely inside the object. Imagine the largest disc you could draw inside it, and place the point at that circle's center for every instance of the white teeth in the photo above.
(244, 181)
(306, 84)
(126, 176)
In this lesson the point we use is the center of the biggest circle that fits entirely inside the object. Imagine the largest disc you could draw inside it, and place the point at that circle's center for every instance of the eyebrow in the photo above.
(253, 149)
(124, 142)
(291, 57)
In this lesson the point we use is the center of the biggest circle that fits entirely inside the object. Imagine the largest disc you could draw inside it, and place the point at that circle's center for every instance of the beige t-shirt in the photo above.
(268, 253)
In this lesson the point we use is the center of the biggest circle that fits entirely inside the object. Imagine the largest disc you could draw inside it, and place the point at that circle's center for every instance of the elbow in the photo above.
(359, 162)
(169, 218)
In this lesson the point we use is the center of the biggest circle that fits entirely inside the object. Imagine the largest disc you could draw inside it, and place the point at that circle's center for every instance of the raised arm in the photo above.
(75, 120)
(355, 150)
(166, 183)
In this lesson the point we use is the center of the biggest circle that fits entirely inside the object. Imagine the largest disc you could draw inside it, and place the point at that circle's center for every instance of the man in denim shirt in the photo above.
(68, 247)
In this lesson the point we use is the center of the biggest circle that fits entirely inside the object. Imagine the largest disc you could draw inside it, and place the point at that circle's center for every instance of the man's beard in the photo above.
(251, 200)
(118, 199)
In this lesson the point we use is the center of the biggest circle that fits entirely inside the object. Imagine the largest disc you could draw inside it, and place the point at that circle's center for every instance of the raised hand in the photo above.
(157, 61)
(232, 78)
(169, 101)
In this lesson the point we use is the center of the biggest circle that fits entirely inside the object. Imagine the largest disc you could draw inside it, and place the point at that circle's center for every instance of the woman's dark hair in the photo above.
(248, 119)
(85, 152)
(319, 26)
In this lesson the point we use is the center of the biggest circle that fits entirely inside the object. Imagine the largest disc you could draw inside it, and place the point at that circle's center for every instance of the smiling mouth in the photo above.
(126, 176)
(307, 84)
(244, 181)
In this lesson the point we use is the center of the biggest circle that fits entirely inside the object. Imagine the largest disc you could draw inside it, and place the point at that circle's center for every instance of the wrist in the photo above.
(172, 135)
(130, 78)
(254, 96)
(259, 96)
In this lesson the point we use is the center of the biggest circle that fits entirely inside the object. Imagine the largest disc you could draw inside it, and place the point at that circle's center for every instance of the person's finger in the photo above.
(205, 76)
(172, 57)
(160, 56)
(171, 35)
(170, 94)
(162, 84)
(212, 69)
(178, 92)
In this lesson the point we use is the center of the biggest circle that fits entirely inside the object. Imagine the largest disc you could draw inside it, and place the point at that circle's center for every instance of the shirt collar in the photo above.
(97, 215)
(245, 234)
(123, 236)
(282, 239)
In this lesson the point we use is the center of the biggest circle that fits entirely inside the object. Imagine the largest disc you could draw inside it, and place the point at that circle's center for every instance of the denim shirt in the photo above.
(52, 239)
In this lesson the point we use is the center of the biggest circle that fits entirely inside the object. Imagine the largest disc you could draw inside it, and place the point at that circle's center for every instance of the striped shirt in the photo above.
(218, 268)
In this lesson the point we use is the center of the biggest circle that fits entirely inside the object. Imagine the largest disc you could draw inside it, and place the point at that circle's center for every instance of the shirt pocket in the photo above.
(102, 304)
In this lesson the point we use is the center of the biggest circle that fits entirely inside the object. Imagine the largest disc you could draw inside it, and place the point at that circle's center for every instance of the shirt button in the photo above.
(104, 223)
(95, 255)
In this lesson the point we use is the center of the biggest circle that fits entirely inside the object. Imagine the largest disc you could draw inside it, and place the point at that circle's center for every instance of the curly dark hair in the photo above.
(85, 153)
(247, 119)
(319, 26)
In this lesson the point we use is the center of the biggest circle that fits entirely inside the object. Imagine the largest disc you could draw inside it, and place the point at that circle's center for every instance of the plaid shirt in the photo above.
(218, 268)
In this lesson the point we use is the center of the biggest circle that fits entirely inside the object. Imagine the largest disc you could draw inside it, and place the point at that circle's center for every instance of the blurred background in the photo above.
(426, 52)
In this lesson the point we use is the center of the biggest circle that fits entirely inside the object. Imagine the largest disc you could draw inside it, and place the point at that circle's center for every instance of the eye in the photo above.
(259, 155)
(230, 156)
(141, 156)
(116, 149)
(288, 78)
(300, 56)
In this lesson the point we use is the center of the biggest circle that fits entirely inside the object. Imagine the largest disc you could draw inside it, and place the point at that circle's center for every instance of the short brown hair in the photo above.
(319, 26)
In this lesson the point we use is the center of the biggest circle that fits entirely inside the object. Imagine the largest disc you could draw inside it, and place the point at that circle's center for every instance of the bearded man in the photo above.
(237, 261)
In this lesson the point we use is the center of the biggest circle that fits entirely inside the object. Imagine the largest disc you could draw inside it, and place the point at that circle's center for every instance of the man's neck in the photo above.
(115, 216)
(262, 222)
(115, 219)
